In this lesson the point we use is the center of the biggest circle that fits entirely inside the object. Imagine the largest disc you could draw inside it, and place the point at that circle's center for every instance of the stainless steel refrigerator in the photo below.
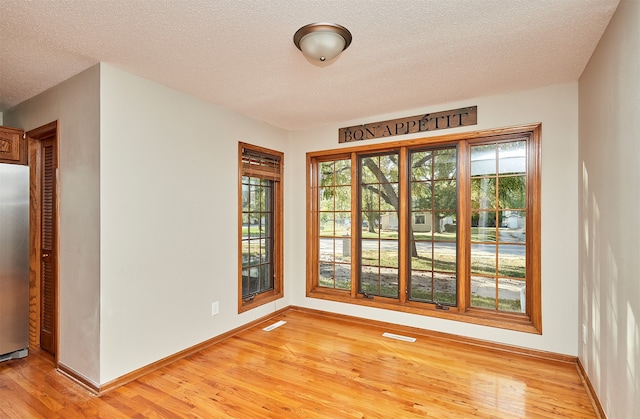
(14, 261)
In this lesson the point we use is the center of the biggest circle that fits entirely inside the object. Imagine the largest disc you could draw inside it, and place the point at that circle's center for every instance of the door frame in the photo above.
(34, 138)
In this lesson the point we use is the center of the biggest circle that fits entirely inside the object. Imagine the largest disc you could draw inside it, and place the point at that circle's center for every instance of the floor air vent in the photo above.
(273, 326)
(398, 337)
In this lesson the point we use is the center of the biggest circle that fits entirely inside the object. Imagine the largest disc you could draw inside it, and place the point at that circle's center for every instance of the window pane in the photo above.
(483, 226)
(512, 260)
(327, 251)
(433, 245)
(343, 276)
(343, 172)
(512, 192)
(483, 292)
(245, 253)
(483, 193)
(513, 225)
(389, 200)
(267, 190)
(444, 166)
(327, 174)
(254, 198)
(343, 198)
(264, 250)
(343, 223)
(264, 231)
(369, 279)
(421, 165)
(421, 286)
(506, 225)
(254, 224)
(254, 280)
(343, 249)
(370, 198)
(245, 195)
(444, 257)
(389, 253)
(327, 224)
(389, 168)
(369, 165)
(327, 199)
(422, 255)
(266, 278)
(483, 259)
(335, 223)
(388, 282)
(483, 160)
(512, 157)
(444, 288)
(380, 224)
(445, 193)
(254, 252)
(389, 225)
(245, 282)
(267, 219)
(439, 287)
(421, 196)
(264, 192)
(371, 222)
(512, 295)
(445, 226)
(370, 252)
(261, 192)
(326, 275)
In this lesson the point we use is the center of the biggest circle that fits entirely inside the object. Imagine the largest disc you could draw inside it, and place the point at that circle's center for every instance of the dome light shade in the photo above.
(321, 42)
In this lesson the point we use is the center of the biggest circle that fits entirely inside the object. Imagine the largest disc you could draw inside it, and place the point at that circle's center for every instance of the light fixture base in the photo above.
(322, 41)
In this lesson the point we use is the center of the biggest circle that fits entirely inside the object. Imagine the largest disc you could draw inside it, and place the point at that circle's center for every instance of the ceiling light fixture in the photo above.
(321, 42)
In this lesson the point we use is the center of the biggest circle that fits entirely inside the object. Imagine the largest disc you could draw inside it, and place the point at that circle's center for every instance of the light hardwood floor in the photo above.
(314, 366)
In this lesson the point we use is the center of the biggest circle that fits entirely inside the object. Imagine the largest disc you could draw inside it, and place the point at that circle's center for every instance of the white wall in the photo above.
(148, 218)
(609, 226)
(75, 104)
(557, 108)
(168, 182)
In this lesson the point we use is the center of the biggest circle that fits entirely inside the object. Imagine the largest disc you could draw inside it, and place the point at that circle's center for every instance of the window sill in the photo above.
(510, 321)
(259, 300)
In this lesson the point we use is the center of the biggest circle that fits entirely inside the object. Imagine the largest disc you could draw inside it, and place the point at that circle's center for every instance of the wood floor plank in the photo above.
(313, 367)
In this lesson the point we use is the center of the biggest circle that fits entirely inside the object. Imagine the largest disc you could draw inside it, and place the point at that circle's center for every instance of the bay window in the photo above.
(444, 226)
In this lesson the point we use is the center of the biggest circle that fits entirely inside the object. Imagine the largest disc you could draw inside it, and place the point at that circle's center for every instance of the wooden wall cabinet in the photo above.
(12, 146)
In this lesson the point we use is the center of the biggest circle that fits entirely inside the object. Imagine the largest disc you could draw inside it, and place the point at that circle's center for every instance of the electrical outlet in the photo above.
(584, 334)
(215, 308)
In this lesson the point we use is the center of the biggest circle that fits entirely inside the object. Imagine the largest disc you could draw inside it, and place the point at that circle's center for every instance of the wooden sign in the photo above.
(419, 123)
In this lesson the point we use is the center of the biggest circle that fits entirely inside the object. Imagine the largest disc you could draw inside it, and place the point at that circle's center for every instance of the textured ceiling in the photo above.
(239, 54)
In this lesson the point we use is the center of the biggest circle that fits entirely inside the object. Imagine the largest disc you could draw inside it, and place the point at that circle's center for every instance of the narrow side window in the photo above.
(260, 226)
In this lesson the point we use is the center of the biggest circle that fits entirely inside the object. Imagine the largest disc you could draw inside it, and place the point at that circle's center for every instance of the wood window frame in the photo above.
(530, 322)
(276, 175)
